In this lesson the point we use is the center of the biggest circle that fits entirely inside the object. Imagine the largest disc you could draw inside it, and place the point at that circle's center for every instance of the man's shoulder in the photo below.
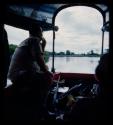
(34, 38)
(30, 41)
(24, 43)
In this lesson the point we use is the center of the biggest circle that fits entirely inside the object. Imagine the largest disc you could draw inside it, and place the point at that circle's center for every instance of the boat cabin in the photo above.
(68, 87)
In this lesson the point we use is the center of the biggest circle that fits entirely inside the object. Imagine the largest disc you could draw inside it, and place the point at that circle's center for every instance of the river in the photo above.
(74, 64)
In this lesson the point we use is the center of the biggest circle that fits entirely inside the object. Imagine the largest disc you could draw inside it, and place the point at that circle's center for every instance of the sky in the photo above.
(79, 31)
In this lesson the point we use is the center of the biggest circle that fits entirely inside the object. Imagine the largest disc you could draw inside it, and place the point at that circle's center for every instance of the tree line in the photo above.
(69, 53)
(48, 54)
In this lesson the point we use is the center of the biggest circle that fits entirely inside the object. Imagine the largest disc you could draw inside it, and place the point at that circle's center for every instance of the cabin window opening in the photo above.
(79, 40)
(15, 37)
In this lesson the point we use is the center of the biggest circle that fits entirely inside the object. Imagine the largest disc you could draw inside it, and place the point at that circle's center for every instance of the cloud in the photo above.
(79, 28)
(79, 19)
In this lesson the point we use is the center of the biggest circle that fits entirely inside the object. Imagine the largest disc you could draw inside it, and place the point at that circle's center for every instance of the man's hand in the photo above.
(43, 43)
(49, 77)
(48, 73)
(47, 67)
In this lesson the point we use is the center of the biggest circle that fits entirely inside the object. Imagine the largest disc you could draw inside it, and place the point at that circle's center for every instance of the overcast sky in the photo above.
(79, 31)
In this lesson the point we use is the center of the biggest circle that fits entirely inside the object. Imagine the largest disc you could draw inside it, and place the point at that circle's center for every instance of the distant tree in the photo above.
(72, 53)
(68, 52)
(92, 52)
(51, 53)
(12, 48)
(61, 53)
(46, 56)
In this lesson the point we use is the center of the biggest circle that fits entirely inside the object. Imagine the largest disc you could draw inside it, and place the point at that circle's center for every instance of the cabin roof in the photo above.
(22, 15)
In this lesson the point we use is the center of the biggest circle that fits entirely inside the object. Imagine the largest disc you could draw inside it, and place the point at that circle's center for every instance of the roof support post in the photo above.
(53, 53)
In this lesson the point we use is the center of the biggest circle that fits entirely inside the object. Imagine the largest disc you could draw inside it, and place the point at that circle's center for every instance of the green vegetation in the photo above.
(72, 54)
(47, 54)
(12, 48)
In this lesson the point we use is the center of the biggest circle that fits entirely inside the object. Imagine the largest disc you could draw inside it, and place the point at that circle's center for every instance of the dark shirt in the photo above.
(24, 58)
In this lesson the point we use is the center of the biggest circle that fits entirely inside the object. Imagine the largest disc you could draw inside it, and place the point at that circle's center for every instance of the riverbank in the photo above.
(75, 55)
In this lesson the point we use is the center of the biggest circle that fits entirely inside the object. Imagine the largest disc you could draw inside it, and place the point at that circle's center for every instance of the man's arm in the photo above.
(40, 60)
(37, 54)
(43, 43)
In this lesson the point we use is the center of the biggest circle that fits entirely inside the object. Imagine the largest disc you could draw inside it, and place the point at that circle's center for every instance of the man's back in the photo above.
(22, 59)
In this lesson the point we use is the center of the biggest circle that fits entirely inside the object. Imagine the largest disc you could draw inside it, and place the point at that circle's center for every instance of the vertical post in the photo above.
(102, 42)
(104, 20)
(53, 69)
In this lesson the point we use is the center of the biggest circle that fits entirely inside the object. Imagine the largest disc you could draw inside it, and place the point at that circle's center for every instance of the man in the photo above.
(28, 71)
(27, 67)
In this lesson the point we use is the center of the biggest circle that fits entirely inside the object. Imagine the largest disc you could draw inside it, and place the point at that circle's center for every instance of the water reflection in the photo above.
(67, 59)
(74, 64)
